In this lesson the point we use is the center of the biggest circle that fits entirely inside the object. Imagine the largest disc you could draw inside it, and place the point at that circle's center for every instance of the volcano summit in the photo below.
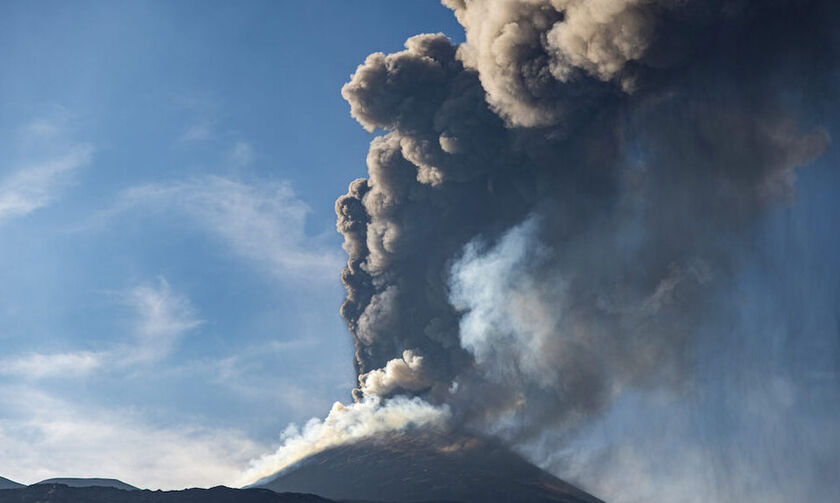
(404, 469)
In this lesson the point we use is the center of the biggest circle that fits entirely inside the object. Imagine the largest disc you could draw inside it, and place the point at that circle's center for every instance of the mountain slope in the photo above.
(79, 482)
(9, 484)
(58, 493)
(403, 469)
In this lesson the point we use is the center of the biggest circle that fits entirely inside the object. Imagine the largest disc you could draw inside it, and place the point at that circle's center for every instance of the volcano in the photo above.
(406, 469)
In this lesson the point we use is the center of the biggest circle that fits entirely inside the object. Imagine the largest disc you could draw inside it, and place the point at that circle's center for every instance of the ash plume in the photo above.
(631, 195)
(556, 207)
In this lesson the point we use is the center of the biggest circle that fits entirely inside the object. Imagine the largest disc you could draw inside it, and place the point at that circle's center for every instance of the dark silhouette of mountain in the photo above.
(78, 482)
(406, 469)
(60, 493)
(9, 484)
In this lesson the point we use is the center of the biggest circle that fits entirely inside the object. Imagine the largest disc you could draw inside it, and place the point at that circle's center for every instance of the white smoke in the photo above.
(343, 425)
(505, 325)
(406, 373)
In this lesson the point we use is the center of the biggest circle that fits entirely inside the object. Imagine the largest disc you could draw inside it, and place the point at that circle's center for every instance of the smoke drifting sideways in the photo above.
(559, 210)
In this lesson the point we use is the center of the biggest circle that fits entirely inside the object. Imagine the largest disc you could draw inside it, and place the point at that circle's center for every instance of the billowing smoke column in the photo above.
(556, 204)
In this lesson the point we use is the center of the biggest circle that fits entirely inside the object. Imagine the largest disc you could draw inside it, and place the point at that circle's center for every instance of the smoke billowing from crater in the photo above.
(624, 201)
(556, 207)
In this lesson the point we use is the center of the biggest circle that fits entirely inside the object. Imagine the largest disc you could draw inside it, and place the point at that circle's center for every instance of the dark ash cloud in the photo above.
(555, 205)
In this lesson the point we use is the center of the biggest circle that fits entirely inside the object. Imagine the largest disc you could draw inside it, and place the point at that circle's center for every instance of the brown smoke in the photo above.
(553, 204)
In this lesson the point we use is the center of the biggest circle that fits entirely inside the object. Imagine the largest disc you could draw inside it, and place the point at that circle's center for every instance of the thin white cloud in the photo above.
(45, 128)
(37, 183)
(199, 131)
(38, 366)
(242, 154)
(163, 317)
(42, 436)
(262, 222)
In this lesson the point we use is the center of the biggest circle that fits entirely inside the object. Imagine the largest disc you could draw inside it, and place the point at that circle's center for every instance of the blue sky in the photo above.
(169, 266)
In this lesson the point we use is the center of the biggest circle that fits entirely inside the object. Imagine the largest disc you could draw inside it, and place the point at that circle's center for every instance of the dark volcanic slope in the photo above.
(58, 493)
(419, 469)
(9, 484)
(78, 482)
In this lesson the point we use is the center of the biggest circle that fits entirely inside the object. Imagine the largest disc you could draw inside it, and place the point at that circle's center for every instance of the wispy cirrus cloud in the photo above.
(242, 154)
(36, 178)
(38, 365)
(203, 130)
(262, 221)
(161, 318)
